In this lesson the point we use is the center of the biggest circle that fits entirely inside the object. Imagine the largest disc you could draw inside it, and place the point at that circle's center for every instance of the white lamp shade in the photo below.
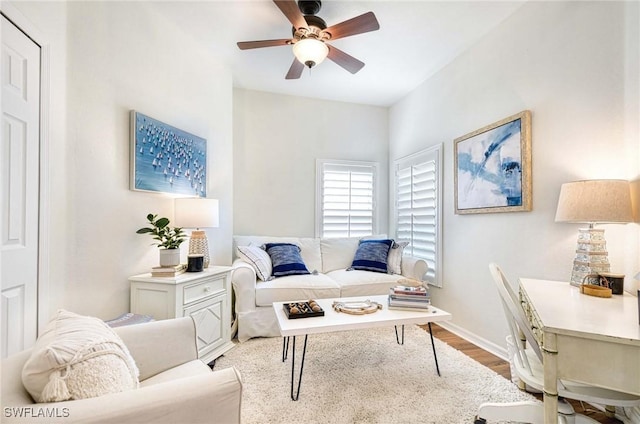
(197, 213)
(310, 52)
(595, 201)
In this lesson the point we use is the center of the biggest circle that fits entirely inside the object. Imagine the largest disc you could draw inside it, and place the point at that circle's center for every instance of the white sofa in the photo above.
(330, 257)
(175, 386)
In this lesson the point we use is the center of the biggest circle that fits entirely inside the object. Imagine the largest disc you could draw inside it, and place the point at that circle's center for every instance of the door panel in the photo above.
(19, 188)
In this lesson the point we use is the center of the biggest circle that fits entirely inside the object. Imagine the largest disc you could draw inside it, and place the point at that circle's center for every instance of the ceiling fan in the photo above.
(310, 36)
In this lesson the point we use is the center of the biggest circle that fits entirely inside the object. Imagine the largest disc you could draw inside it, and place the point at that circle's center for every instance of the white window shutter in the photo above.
(346, 199)
(418, 208)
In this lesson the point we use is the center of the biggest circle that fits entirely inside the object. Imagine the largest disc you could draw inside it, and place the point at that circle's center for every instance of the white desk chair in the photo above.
(528, 367)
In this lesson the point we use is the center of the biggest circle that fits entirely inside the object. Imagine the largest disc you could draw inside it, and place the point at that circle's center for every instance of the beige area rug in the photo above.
(365, 377)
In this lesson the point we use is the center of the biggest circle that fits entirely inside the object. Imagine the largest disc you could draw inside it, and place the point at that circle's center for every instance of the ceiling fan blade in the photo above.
(244, 45)
(363, 23)
(290, 9)
(295, 71)
(348, 62)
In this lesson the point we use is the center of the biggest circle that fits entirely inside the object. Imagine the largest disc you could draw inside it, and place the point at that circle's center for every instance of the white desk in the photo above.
(583, 338)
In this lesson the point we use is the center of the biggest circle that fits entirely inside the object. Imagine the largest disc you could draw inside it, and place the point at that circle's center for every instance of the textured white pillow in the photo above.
(394, 260)
(259, 259)
(78, 357)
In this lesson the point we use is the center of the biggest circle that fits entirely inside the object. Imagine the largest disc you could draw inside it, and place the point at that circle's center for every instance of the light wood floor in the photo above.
(502, 367)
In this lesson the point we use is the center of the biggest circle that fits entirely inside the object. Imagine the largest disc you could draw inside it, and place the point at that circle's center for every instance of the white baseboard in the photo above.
(499, 351)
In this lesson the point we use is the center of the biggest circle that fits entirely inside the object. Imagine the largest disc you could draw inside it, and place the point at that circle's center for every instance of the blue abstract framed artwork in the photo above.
(166, 159)
(493, 167)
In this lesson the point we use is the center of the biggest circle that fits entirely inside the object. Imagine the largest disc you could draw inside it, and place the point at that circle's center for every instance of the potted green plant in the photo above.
(168, 239)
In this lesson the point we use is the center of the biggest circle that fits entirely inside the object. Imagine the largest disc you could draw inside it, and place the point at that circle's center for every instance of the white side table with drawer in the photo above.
(205, 296)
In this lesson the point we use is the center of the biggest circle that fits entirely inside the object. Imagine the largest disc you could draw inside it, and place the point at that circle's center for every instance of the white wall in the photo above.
(277, 140)
(566, 62)
(113, 57)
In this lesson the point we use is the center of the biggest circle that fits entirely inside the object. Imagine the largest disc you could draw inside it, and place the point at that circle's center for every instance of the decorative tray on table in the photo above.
(307, 309)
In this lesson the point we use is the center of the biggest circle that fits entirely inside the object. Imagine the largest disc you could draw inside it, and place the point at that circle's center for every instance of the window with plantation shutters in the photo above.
(346, 198)
(418, 208)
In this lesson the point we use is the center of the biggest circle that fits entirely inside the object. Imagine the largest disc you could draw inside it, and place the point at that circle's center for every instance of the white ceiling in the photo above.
(416, 39)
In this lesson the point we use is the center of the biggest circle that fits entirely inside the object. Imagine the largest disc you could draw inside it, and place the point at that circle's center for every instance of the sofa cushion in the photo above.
(258, 259)
(309, 247)
(363, 283)
(78, 357)
(286, 259)
(394, 260)
(338, 253)
(372, 255)
(296, 287)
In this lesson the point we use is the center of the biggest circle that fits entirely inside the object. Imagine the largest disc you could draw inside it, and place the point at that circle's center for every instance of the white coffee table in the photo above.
(333, 321)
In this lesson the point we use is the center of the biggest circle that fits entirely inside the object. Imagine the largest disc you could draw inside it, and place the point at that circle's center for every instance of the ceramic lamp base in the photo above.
(198, 244)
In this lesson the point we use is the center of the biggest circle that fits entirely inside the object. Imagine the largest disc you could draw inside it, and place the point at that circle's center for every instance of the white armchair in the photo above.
(175, 387)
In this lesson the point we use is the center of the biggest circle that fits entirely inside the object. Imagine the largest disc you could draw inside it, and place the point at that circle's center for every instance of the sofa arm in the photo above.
(205, 398)
(243, 280)
(414, 268)
(148, 343)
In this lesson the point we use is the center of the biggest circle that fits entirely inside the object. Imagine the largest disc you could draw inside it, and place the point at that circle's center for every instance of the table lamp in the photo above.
(197, 213)
(593, 202)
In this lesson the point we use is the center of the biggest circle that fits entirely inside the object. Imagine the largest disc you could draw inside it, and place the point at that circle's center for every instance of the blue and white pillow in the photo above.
(285, 259)
(394, 260)
(258, 259)
(372, 255)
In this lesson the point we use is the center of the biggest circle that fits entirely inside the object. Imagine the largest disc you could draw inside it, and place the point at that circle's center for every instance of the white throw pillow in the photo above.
(394, 260)
(78, 357)
(259, 259)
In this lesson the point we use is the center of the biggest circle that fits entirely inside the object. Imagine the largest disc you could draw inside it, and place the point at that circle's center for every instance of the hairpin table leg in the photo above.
(293, 366)
(434, 350)
(398, 340)
(285, 348)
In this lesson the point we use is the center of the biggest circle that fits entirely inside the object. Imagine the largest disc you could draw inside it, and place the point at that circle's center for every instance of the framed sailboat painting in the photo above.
(166, 159)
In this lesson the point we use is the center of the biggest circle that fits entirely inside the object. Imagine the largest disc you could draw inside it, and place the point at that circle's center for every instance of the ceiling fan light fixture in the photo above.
(310, 51)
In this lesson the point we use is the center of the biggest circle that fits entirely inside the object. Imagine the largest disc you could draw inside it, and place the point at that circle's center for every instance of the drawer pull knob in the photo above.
(207, 289)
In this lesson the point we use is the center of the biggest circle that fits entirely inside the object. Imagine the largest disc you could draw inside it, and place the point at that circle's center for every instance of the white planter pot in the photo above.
(169, 257)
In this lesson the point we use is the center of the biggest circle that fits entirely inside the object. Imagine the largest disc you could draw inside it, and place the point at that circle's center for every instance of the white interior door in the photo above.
(19, 188)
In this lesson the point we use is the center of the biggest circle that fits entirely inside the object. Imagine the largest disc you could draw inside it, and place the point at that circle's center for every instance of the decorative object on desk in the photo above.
(613, 281)
(166, 159)
(357, 307)
(198, 213)
(595, 290)
(168, 271)
(308, 309)
(195, 262)
(492, 168)
(593, 202)
(169, 239)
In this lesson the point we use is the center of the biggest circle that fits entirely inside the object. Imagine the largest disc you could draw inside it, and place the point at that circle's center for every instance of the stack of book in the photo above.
(409, 298)
(168, 271)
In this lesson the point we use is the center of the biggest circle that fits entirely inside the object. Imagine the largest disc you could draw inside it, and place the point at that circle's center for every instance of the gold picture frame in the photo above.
(492, 171)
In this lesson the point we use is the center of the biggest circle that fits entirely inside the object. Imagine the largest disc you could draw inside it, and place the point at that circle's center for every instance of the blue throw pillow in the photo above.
(372, 255)
(285, 259)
